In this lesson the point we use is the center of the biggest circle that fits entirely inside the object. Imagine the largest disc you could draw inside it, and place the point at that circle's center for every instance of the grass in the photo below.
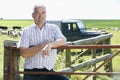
(107, 24)
(89, 24)
(11, 23)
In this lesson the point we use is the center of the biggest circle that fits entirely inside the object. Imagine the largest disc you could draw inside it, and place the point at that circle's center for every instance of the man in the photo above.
(36, 45)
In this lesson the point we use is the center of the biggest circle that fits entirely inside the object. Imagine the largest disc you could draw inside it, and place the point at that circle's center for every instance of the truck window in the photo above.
(66, 27)
(74, 27)
(69, 27)
(81, 26)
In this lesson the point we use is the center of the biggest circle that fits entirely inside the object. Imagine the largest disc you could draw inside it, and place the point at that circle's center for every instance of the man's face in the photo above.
(39, 15)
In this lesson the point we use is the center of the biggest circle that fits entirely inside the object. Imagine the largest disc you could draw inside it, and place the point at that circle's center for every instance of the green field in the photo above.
(11, 23)
(106, 24)
(89, 23)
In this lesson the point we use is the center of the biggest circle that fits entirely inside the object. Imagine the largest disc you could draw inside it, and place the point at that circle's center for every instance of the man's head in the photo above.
(39, 14)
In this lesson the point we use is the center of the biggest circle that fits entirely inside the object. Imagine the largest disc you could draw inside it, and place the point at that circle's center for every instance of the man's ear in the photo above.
(33, 15)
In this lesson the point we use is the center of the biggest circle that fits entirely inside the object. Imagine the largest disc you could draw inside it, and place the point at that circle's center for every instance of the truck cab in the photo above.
(74, 29)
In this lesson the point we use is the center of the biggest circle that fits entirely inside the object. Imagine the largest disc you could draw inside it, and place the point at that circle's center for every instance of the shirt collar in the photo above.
(38, 27)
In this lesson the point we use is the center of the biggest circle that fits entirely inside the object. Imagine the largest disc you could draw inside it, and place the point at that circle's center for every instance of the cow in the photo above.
(16, 27)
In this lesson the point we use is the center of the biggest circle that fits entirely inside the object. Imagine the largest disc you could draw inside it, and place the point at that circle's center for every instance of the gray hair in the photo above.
(37, 6)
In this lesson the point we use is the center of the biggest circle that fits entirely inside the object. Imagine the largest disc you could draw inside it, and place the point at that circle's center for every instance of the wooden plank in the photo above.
(86, 63)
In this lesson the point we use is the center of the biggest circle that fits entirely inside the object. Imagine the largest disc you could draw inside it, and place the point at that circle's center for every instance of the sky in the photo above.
(62, 9)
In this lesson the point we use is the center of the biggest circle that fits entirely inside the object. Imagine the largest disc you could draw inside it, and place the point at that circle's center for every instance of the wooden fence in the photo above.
(12, 57)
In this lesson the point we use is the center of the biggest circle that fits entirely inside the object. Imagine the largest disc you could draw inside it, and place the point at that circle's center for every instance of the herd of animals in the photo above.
(14, 32)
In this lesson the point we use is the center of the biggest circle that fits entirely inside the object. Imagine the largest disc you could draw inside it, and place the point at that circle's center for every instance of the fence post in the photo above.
(6, 63)
(94, 66)
(68, 59)
(108, 66)
(15, 58)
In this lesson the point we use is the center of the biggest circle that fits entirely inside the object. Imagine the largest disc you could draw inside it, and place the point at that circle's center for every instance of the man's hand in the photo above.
(46, 50)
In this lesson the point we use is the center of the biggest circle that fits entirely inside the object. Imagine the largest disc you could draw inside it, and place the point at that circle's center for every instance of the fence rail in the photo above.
(12, 57)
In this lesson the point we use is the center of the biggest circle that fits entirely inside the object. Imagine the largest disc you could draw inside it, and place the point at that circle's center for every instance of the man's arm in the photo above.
(45, 47)
(49, 46)
(31, 51)
(58, 42)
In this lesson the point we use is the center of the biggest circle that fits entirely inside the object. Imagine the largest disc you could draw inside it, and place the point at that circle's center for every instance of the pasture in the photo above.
(108, 25)
(105, 24)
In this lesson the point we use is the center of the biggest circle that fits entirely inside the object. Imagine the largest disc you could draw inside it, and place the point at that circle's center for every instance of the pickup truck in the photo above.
(74, 29)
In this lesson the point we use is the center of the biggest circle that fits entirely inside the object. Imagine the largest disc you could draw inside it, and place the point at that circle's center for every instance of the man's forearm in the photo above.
(31, 51)
(59, 42)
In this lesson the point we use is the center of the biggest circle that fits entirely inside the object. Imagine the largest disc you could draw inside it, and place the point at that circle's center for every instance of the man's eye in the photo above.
(43, 13)
(36, 11)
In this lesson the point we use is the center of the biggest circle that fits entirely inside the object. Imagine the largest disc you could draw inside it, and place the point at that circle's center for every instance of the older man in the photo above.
(36, 45)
